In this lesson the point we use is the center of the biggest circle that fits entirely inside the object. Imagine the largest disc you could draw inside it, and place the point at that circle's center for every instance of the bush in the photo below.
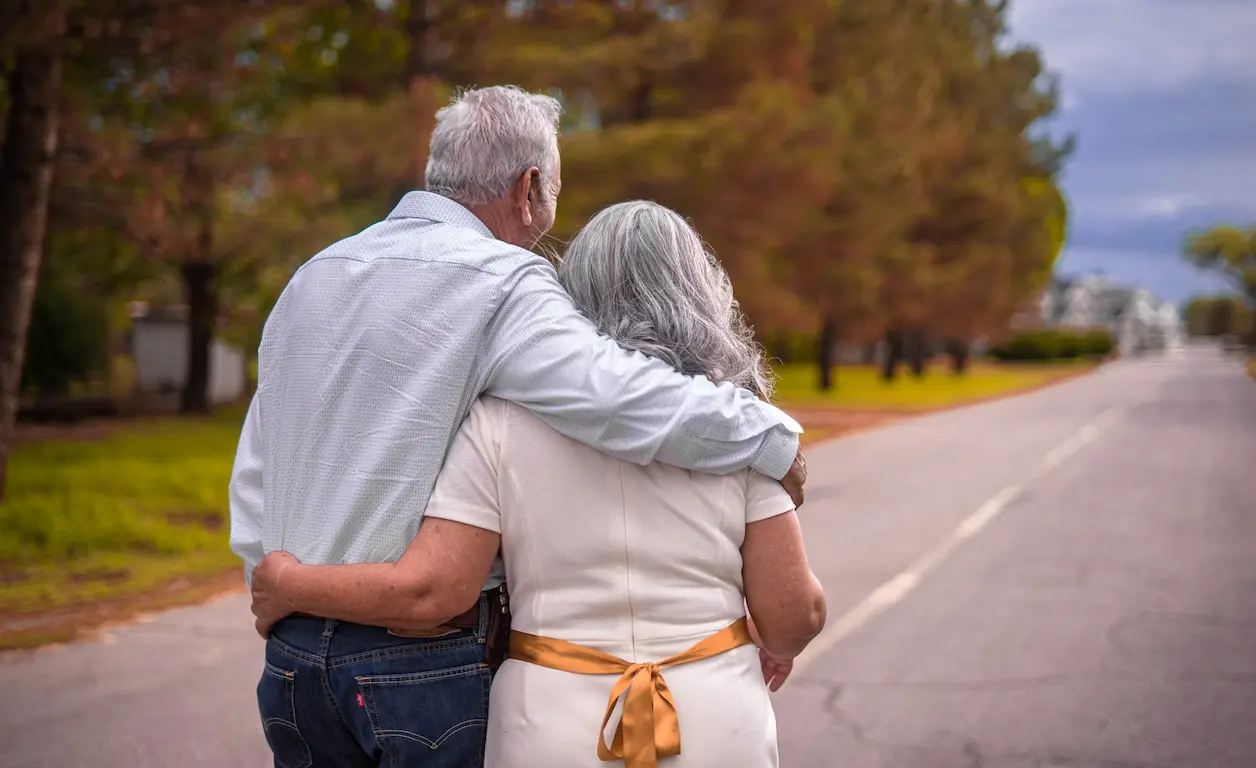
(1098, 343)
(68, 341)
(793, 347)
(1050, 344)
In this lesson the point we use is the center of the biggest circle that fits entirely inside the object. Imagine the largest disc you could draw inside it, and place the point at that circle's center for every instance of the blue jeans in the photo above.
(342, 695)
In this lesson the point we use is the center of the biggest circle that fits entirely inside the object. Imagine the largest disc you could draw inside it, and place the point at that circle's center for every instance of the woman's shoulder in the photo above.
(499, 412)
(506, 420)
(489, 407)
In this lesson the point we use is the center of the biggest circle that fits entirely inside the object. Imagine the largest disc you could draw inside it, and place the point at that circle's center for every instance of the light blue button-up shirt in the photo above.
(379, 345)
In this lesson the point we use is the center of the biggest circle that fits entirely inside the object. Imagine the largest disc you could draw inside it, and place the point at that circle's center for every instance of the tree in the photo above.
(997, 221)
(1227, 251)
(1212, 316)
(26, 165)
(169, 127)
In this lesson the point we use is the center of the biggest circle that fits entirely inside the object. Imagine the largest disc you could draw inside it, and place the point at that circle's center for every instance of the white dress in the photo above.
(638, 562)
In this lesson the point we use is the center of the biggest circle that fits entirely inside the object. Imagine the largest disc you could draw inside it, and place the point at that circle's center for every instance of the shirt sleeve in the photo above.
(547, 357)
(765, 498)
(246, 492)
(466, 489)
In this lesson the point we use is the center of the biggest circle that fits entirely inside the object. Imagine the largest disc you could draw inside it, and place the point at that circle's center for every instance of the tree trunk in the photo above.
(824, 354)
(202, 300)
(26, 164)
(917, 357)
(642, 105)
(959, 356)
(893, 355)
(420, 83)
(420, 23)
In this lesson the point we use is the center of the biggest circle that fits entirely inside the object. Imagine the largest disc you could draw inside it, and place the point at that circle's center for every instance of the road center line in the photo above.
(893, 591)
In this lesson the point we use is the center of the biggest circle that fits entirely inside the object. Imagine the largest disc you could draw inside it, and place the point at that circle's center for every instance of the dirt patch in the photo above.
(65, 624)
(210, 521)
(88, 431)
(11, 575)
(828, 423)
(106, 575)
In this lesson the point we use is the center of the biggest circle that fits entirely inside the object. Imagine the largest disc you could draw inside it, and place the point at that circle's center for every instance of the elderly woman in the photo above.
(620, 575)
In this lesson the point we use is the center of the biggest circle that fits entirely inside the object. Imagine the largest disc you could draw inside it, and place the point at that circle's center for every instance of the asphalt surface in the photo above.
(1062, 579)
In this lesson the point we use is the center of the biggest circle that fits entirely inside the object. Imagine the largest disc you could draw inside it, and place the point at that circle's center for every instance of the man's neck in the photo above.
(495, 218)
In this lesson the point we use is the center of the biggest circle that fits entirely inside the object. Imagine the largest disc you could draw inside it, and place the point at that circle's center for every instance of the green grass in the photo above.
(85, 521)
(860, 387)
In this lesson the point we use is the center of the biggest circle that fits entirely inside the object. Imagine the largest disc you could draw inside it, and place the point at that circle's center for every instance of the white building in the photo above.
(159, 346)
(1138, 321)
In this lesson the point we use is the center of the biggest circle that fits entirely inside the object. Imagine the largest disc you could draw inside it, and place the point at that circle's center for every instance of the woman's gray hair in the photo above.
(645, 278)
(486, 138)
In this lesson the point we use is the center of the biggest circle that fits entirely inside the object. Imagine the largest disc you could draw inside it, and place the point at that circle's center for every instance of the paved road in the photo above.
(1062, 579)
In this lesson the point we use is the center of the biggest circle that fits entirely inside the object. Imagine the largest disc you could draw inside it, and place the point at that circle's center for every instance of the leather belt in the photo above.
(469, 619)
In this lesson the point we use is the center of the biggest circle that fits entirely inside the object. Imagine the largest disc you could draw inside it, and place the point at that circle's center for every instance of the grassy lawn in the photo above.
(144, 506)
(133, 515)
(860, 388)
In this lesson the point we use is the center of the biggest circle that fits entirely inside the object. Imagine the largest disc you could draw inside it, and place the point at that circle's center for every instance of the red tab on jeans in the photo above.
(360, 702)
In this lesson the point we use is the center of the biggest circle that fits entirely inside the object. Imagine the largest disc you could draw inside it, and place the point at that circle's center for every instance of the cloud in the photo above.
(1166, 206)
(1160, 96)
(1120, 46)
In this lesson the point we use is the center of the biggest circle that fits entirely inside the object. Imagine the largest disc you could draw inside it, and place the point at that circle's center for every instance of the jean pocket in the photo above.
(276, 700)
(436, 718)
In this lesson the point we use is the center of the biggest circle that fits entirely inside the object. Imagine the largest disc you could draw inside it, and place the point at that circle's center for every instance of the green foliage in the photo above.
(1097, 343)
(68, 340)
(1228, 251)
(1212, 316)
(1048, 344)
(793, 347)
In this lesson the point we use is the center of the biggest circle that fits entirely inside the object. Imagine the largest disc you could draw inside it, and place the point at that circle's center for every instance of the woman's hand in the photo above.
(270, 604)
(775, 668)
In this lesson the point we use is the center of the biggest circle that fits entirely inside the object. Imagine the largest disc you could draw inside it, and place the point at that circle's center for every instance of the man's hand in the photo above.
(796, 479)
(270, 604)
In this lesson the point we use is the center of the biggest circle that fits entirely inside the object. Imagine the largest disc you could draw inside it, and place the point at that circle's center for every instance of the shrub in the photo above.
(1098, 343)
(1051, 344)
(68, 341)
(793, 347)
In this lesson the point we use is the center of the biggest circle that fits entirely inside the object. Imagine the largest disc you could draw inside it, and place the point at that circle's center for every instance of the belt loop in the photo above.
(486, 608)
(329, 629)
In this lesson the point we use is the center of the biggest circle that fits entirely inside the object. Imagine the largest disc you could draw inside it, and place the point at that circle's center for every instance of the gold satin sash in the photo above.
(648, 727)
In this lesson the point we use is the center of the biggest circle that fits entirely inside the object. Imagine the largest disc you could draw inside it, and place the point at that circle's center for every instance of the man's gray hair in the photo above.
(645, 278)
(486, 138)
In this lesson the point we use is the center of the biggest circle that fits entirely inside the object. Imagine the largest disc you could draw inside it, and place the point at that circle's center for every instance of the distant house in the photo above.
(1137, 320)
(159, 347)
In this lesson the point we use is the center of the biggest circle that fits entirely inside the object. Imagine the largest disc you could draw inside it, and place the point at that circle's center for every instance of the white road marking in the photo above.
(893, 591)
(987, 512)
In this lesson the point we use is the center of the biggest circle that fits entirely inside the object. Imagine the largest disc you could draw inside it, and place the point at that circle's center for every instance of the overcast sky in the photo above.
(1162, 97)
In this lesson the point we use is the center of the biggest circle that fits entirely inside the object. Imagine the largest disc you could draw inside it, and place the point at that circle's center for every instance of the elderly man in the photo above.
(370, 361)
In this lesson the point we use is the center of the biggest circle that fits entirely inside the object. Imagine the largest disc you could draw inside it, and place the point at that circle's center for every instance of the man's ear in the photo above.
(525, 188)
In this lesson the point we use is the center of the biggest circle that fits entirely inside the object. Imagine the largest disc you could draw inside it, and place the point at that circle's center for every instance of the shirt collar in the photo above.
(426, 205)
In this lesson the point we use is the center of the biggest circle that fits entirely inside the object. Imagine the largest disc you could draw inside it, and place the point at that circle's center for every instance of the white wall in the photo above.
(160, 350)
(226, 373)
